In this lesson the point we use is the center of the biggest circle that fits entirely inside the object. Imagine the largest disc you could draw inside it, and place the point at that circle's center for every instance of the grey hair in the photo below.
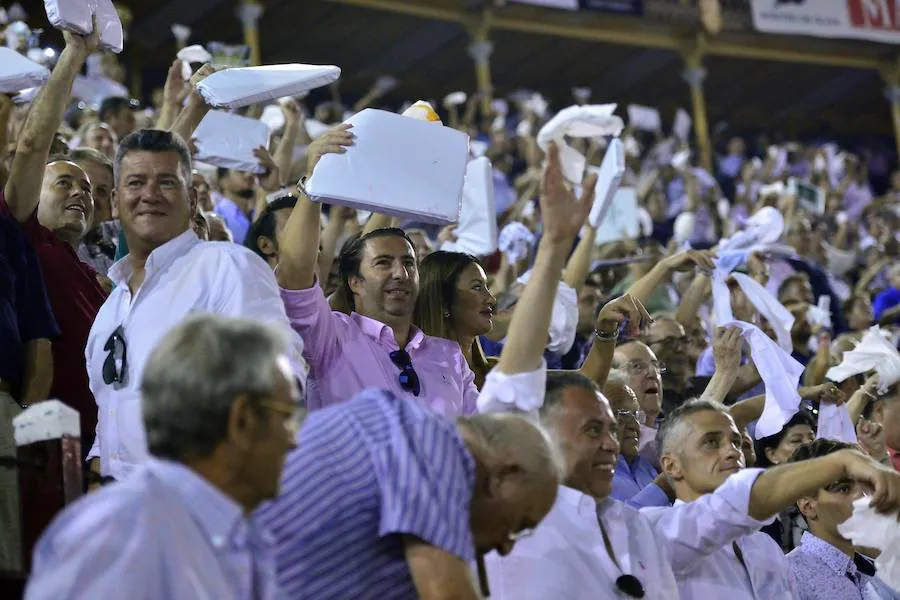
(670, 435)
(153, 140)
(507, 434)
(90, 155)
(194, 375)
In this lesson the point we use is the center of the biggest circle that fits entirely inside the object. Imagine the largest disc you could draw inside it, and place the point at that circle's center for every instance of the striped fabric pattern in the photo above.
(364, 473)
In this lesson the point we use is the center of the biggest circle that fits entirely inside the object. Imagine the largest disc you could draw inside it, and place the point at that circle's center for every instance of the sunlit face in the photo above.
(643, 369)
(706, 453)
(101, 178)
(629, 416)
(238, 184)
(795, 437)
(153, 198)
(102, 139)
(472, 312)
(388, 284)
(201, 188)
(66, 206)
(831, 506)
(796, 292)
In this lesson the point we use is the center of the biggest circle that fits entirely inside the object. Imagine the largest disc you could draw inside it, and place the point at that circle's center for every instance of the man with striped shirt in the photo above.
(384, 499)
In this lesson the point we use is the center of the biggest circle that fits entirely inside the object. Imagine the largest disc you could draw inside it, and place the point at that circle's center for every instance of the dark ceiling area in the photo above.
(429, 58)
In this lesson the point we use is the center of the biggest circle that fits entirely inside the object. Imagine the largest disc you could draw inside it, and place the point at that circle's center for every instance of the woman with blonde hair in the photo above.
(455, 303)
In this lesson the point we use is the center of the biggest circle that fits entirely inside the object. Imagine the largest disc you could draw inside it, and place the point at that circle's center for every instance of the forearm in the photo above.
(331, 234)
(747, 411)
(531, 319)
(644, 287)
(720, 385)
(167, 115)
(693, 299)
(297, 258)
(779, 487)
(890, 315)
(284, 153)
(37, 374)
(818, 366)
(599, 360)
(38, 132)
(580, 262)
(189, 119)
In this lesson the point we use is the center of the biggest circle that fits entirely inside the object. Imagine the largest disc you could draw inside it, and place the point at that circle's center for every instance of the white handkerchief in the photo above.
(477, 229)
(17, 73)
(820, 314)
(515, 241)
(869, 529)
(622, 220)
(644, 117)
(76, 15)
(227, 140)
(835, 423)
(578, 121)
(609, 176)
(398, 166)
(681, 158)
(564, 319)
(682, 125)
(764, 227)
(194, 54)
(873, 353)
(273, 117)
(780, 372)
(455, 99)
(234, 88)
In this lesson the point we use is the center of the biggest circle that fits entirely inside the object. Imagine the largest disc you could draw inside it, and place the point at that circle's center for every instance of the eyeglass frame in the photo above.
(294, 420)
(635, 365)
(638, 415)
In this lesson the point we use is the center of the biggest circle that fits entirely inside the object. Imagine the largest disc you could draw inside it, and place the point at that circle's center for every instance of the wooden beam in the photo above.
(629, 31)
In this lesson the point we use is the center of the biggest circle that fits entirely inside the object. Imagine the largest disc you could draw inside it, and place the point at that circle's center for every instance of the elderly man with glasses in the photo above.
(633, 472)
(221, 408)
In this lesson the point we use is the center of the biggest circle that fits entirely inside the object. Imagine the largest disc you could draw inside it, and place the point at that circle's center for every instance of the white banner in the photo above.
(565, 4)
(875, 20)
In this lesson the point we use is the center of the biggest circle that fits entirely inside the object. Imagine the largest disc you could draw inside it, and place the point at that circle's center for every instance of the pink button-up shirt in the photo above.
(349, 354)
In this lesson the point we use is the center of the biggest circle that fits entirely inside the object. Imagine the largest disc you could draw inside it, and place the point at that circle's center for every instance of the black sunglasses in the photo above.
(409, 379)
(630, 586)
(116, 365)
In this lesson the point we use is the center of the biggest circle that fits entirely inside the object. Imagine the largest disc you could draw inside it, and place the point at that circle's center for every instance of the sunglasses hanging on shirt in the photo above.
(409, 379)
(116, 364)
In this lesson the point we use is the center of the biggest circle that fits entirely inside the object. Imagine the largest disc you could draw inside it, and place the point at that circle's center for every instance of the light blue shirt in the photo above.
(164, 534)
(630, 479)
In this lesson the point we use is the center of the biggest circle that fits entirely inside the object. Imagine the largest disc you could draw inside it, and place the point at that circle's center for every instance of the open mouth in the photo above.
(397, 294)
(76, 208)
(488, 312)
(653, 389)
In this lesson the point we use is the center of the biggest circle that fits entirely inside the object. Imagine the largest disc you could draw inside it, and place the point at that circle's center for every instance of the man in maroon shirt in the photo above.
(54, 206)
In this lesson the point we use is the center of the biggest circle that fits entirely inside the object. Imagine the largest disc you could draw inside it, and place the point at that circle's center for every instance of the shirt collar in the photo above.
(159, 259)
(378, 331)
(219, 516)
(579, 501)
(836, 560)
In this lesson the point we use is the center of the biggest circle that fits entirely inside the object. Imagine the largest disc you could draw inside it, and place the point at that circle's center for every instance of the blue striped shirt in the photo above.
(365, 473)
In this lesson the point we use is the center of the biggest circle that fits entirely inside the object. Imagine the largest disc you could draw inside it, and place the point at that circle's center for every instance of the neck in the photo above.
(466, 343)
(845, 546)
(630, 458)
(225, 482)
(685, 492)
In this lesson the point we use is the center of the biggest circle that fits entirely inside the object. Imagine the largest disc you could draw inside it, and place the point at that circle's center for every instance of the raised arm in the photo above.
(189, 118)
(624, 309)
(23, 189)
(293, 123)
(662, 272)
(174, 93)
(727, 347)
(298, 256)
(579, 264)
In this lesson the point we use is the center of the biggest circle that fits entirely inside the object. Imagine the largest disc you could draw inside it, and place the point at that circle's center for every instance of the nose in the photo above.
(400, 271)
(610, 443)
(733, 453)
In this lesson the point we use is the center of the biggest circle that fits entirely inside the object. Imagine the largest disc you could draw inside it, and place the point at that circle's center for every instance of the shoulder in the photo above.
(228, 255)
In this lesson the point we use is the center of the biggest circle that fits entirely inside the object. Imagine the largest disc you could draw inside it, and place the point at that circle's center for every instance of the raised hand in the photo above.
(563, 214)
(625, 310)
(688, 259)
(85, 45)
(884, 481)
(290, 108)
(270, 179)
(334, 141)
(727, 345)
(176, 88)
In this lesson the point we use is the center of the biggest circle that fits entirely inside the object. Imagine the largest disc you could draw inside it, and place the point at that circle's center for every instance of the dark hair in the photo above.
(90, 155)
(112, 106)
(153, 140)
(264, 226)
(818, 448)
(772, 441)
(351, 258)
(222, 172)
(680, 413)
(558, 382)
(796, 278)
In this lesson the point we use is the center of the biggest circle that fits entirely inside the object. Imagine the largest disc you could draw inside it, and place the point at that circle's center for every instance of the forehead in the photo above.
(198, 179)
(64, 168)
(710, 421)
(635, 351)
(99, 174)
(584, 404)
(143, 162)
(667, 327)
(391, 245)
(621, 397)
(470, 272)
(100, 130)
(798, 429)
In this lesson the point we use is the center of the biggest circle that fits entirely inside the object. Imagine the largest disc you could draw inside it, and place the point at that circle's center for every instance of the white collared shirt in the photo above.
(699, 536)
(183, 276)
(566, 559)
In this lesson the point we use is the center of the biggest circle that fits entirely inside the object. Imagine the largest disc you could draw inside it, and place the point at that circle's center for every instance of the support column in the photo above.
(480, 50)
(891, 75)
(694, 74)
(249, 13)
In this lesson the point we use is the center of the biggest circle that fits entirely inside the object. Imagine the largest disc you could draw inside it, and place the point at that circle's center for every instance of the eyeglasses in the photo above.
(409, 379)
(642, 368)
(116, 364)
(637, 415)
(630, 586)
(294, 415)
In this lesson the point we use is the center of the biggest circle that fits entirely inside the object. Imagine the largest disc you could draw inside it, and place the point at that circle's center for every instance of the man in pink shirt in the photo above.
(376, 345)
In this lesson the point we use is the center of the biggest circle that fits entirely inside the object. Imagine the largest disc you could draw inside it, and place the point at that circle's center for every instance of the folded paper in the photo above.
(581, 122)
(870, 529)
(835, 423)
(874, 352)
(609, 176)
(78, 16)
(476, 232)
(515, 241)
(564, 318)
(17, 73)
(227, 140)
(622, 220)
(644, 117)
(397, 166)
(234, 88)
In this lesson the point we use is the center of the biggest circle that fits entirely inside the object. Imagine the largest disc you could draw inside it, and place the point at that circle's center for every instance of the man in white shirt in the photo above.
(590, 546)
(712, 531)
(168, 274)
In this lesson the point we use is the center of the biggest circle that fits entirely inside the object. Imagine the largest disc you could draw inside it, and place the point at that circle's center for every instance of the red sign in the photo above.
(875, 14)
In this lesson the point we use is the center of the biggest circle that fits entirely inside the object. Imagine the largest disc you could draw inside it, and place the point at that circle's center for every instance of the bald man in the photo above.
(644, 372)
(633, 472)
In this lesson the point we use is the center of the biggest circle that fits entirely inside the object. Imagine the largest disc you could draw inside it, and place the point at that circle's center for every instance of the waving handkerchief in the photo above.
(869, 529)
(17, 73)
(455, 99)
(873, 353)
(192, 54)
(476, 232)
(564, 319)
(780, 372)
(515, 241)
(578, 121)
(820, 314)
(835, 423)
(227, 140)
(765, 227)
(234, 88)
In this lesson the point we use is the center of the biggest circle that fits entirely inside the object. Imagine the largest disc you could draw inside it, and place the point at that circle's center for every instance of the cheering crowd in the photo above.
(285, 399)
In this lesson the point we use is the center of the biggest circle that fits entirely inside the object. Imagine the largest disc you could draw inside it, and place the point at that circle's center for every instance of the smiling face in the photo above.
(628, 414)
(153, 199)
(102, 139)
(388, 281)
(472, 312)
(101, 178)
(66, 206)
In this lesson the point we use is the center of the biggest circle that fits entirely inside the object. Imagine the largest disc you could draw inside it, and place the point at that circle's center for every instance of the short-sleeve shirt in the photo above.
(75, 296)
(365, 473)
